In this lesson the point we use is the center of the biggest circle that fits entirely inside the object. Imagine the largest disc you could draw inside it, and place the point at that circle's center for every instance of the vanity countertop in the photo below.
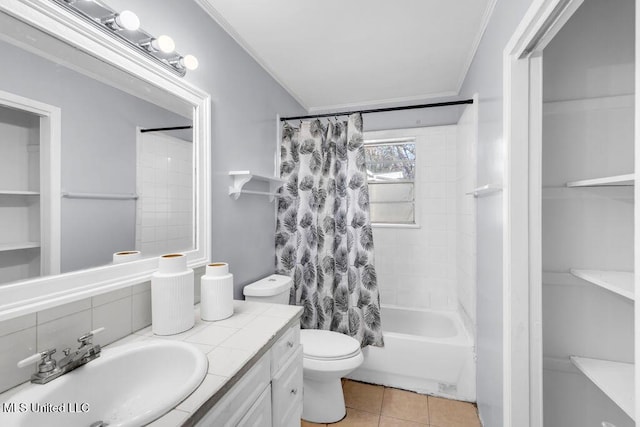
(232, 345)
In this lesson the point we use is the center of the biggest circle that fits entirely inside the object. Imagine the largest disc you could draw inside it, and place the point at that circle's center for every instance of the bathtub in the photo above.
(426, 351)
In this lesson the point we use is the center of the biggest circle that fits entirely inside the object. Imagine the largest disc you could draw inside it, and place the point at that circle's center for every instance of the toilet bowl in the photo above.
(327, 356)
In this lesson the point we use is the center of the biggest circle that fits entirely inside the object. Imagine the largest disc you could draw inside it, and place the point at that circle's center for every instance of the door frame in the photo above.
(50, 171)
(522, 237)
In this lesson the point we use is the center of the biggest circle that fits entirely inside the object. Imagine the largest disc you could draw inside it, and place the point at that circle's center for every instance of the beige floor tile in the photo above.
(452, 413)
(304, 423)
(357, 418)
(364, 397)
(405, 405)
(395, 422)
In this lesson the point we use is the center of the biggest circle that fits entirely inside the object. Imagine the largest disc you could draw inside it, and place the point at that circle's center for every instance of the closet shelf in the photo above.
(620, 282)
(619, 180)
(485, 189)
(615, 379)
(18, 193)
(5, 247)
(240, 178)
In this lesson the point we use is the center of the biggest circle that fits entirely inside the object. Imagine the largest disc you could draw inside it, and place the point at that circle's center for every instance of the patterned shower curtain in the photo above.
(324, 239)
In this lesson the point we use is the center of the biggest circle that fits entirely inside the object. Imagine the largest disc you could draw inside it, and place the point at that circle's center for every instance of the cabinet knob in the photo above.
(294, 391)
(290, 344)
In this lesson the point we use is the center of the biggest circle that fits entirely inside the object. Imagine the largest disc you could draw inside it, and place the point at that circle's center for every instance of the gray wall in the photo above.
(98, 151)
(245, 101)
(485, 78)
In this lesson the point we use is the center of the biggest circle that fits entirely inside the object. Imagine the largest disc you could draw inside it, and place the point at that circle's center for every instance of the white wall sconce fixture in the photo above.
(125, 20)
(163, 43)
(125, 26)
(189, 62)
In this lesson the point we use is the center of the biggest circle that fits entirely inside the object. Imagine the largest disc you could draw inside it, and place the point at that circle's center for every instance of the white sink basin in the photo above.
(128, 385)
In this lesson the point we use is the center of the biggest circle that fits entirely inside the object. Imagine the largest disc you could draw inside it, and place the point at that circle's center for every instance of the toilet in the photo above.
(327, 356)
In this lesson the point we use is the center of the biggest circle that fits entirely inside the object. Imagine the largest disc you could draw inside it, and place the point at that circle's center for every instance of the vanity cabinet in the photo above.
(269, 393)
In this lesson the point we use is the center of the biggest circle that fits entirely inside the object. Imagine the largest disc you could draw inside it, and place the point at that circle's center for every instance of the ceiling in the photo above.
(333, 54)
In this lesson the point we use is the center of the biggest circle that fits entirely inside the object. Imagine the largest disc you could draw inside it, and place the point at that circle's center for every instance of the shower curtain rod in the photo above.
(380, 110)
(162, 129)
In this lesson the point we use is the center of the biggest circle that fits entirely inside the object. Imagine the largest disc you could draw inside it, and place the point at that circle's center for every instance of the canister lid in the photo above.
(269, 286)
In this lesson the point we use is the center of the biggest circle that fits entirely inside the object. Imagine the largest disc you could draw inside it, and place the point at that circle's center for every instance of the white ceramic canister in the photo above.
(172, 296)
(126, 256)
(216, 292)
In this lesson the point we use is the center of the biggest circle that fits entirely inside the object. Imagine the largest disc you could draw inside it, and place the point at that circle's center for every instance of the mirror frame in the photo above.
(40, 293)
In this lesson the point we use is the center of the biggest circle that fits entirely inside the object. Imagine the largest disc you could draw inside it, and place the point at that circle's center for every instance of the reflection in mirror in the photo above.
(114, 188)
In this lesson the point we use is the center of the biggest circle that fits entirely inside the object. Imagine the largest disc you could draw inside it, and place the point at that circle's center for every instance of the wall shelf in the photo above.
(484, 190)
(617, 180)
(5, 247)
(240, 178)
(620, 282)
(615, 379)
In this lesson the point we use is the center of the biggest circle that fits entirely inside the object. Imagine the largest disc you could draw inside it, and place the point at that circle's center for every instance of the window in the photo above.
(391, 166)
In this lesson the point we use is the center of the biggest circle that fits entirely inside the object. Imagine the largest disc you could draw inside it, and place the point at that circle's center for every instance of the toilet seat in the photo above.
(328, 345)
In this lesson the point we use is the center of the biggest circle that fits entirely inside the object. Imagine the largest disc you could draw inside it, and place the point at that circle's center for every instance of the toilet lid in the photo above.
(321, 344)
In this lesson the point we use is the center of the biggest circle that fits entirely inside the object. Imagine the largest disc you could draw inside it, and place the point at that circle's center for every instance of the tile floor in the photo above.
(378, 406)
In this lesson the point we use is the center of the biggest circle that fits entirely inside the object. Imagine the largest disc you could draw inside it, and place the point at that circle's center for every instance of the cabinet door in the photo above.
(260, 413)
(286, 387)
(237, 401)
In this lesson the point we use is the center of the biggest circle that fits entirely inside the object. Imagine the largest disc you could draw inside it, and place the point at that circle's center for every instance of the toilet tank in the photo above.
(273, 289)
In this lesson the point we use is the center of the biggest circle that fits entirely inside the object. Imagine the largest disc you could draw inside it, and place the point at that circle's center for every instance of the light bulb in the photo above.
(189, 62)
(128, 20)
(163, 43)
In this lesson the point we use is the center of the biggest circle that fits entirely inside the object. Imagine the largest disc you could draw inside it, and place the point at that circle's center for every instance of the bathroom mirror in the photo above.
(84, 103)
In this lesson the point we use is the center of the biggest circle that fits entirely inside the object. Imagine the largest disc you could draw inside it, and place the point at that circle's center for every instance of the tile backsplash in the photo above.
(120, 312)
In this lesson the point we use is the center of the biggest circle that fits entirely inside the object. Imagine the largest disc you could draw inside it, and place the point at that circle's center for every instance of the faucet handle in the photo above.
(86, 338)
(42, 357)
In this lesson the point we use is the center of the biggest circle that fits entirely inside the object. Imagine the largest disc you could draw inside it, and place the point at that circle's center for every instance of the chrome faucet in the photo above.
(49, 369)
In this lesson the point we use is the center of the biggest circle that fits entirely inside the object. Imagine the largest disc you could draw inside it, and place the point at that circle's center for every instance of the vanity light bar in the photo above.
(126, 27)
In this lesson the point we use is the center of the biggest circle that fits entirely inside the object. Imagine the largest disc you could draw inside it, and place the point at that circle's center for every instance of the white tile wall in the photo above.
(164, 182)
(416, 267)
(115, 317)
(466, 216)
(13, 348)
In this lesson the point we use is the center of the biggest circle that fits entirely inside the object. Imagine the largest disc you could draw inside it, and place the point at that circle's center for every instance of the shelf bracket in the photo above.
(484, 190)
(240, 178)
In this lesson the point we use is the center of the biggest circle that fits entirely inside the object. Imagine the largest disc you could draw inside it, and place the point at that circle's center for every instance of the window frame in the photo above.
(400, 140)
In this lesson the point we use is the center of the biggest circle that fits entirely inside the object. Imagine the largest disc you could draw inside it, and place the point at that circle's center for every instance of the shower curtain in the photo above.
(324, 239)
